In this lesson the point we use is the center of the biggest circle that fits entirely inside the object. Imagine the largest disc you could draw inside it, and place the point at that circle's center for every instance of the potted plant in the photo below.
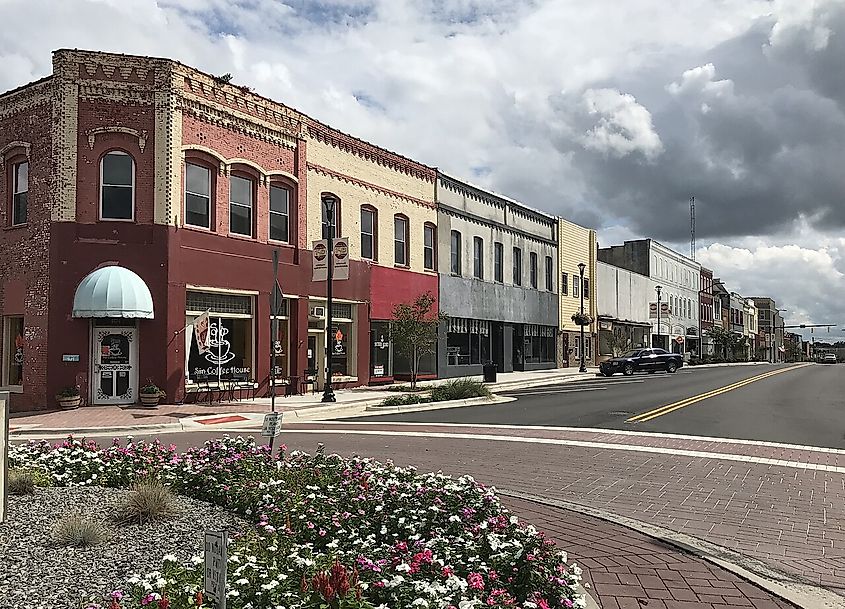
(151, 394)
(69, 398)
(582, 319)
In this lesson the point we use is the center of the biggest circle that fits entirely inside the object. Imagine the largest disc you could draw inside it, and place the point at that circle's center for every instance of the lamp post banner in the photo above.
(340, 251)
(320, 257)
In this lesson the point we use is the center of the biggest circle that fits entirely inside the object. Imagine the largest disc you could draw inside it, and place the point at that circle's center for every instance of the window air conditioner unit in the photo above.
(318, 311)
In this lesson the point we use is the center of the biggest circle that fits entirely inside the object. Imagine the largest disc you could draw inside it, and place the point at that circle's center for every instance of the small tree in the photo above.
(414, 330)
(619, 342)
(727, 341)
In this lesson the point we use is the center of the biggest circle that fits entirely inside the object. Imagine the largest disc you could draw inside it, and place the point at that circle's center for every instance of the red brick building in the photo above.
(184, 185)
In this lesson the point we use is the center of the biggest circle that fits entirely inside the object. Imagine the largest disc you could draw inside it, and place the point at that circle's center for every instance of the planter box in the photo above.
(69, 403)
(150, 399)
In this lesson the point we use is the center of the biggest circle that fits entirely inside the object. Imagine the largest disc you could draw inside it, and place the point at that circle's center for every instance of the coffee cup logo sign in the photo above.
(220, 350)
(18, 357)
(339, 347)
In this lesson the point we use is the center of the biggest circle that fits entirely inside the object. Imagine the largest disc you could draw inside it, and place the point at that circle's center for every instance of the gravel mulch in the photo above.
(37, 574)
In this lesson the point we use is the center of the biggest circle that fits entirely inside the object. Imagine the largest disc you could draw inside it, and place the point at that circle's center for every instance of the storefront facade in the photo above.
(498, 282)
(577, 246)
(178, 188)
(622, 298)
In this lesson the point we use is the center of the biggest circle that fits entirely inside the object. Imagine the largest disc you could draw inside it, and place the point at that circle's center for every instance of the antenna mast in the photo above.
(692, 227)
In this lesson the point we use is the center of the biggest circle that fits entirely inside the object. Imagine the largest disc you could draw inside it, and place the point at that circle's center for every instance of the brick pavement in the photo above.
(791, 518)
(628, 570)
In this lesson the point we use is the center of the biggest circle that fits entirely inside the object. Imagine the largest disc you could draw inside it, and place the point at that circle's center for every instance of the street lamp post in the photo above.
(583, 367)
(329, 202)
(658, 289)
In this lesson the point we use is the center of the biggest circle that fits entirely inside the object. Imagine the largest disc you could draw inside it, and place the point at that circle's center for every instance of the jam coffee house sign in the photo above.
(219, 359)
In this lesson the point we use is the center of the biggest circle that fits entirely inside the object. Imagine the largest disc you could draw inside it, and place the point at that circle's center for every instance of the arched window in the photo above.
(241, 203)
(369, 232)
(199, 199)
(280, 213)
(117, 186)
(400, 240)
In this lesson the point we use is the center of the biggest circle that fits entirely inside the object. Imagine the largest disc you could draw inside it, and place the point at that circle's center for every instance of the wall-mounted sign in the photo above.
(70, 357)
(378, 370)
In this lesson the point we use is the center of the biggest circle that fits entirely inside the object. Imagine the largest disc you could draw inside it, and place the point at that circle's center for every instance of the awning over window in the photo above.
(113, 291)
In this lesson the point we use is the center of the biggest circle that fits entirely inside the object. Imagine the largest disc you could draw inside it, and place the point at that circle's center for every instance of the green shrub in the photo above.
(21, 482)
(79, 532)
(459, 389)
(406, 400)
(148, 501)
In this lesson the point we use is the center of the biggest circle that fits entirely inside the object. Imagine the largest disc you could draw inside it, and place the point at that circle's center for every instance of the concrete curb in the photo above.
(788, 587)
(64, 431)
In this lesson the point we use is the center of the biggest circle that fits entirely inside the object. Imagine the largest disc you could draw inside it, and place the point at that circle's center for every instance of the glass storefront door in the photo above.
(115, 369)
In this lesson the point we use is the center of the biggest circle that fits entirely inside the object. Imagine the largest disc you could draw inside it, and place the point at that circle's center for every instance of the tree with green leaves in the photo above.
(726, 341)
(414, 330)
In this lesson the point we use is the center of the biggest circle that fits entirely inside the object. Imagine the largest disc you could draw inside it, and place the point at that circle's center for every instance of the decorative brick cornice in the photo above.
(216, 114)
(26, 97)
(347, 143)
(367, 185)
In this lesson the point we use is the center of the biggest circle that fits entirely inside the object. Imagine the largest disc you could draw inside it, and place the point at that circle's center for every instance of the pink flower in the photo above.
(475, 581)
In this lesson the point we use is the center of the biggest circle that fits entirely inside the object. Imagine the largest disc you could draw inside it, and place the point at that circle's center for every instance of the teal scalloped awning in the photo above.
(113, 291)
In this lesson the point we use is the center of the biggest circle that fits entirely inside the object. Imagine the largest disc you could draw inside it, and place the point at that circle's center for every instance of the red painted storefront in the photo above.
(174, 261)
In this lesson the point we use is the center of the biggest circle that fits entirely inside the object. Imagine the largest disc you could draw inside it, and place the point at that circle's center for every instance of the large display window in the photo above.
(467, 342)
(13, 351)
(230, 351)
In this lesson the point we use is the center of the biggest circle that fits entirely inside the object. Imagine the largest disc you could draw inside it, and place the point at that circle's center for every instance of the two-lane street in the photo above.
(797, 404)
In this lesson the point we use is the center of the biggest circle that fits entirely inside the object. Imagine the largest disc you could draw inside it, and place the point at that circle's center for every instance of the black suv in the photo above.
(642, 360)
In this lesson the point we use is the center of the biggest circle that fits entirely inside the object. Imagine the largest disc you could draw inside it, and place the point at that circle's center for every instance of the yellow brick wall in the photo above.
(576, 244)
(360, 182)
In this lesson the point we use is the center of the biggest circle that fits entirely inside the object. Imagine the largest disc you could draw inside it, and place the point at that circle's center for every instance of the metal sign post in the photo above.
(216, 555)
(275, 310)
(4, 451)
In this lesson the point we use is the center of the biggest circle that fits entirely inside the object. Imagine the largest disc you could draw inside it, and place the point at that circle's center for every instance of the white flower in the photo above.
(169, 558)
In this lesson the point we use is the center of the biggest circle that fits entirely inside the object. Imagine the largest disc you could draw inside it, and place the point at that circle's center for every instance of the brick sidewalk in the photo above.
(628, 570)
(792, 518)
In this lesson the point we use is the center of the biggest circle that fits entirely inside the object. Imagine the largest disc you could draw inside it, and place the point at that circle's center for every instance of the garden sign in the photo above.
(216, 556)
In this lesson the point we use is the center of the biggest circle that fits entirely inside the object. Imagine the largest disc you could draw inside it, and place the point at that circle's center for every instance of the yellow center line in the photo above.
(657, 412)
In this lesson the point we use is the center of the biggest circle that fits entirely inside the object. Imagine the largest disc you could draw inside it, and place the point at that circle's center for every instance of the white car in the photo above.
(828, 358)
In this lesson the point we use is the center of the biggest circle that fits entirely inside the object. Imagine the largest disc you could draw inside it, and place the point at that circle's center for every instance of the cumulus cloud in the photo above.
(612, 115)
(623, 125)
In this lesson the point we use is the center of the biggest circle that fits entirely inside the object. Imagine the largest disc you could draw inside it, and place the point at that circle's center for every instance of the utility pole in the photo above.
(692, 227)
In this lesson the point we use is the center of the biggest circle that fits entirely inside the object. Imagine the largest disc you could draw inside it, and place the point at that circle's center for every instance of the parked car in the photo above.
(642, 360)
(828, 358)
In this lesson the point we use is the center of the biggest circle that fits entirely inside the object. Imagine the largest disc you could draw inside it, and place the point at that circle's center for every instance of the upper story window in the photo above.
(429, 247)
(369, 222)
(455, 253)
(576, 280)
(549, 277)
(564, 283)
(532, 269)
(117, 186)
(400, 240)
(498, 262)
(20, 192)
(478, 257)
(240, 205)
(197, 195)
(517, 266)
(280, 213)
(586, 287)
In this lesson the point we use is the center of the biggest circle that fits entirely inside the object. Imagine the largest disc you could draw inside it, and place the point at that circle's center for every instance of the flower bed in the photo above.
(329, 531)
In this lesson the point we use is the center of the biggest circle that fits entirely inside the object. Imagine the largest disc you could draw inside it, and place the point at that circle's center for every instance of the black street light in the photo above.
(583, 368)
(329, 202)
(658, 289)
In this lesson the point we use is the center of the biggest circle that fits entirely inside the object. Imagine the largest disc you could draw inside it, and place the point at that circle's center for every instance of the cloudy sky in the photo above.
(609, 113)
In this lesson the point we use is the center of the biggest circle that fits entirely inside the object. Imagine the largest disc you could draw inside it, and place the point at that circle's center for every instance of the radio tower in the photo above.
(692, 227)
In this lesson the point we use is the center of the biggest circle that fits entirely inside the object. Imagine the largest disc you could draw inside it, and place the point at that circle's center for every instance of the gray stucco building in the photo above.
(498, 281)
